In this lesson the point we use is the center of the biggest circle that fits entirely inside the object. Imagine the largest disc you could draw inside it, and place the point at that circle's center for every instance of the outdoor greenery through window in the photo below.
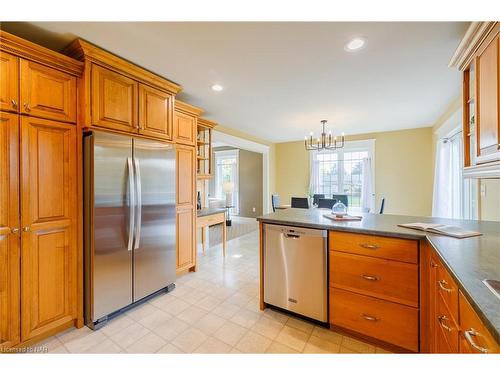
(341, 172)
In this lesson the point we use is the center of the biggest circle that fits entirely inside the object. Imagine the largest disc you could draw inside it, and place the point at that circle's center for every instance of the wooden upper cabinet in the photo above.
(155, 112)
(186, 182)
(487, 102)
(9, 82)
(185, 128)
(9, 230)
(114, 100)
(47, 92)
(48, 220)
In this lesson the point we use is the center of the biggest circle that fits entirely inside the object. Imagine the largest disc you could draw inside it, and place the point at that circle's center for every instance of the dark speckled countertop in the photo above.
(469, 260)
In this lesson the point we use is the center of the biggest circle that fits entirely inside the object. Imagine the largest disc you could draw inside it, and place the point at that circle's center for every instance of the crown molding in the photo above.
(85, 51)
(187, 108)
(207, 123)
(474, 36)
(486, 170)
(34, 52)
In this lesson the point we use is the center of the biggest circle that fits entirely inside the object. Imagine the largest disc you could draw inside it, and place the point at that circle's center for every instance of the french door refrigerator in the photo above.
(129, 223)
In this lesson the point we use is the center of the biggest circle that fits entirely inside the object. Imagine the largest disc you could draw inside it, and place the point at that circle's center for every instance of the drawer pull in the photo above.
(442, 319)
(468, 336)
(369, 317)
(368, 246)
(27, 107)
(14, 104)
(442, 286)
(370, 277)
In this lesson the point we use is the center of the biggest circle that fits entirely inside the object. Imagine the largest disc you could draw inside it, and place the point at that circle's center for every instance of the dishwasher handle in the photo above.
(292, 236)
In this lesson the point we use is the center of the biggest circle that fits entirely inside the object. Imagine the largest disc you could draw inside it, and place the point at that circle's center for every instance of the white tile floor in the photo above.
(214, 310)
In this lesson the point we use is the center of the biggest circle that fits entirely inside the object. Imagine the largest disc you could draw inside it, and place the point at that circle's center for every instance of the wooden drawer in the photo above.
(446, 326)
(204, 221)
(381, 278)
(474, 336)
(448, 290)
(387, 321)
(399, 249)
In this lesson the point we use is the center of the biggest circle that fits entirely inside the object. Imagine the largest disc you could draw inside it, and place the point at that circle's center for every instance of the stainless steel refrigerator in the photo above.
(129, 223)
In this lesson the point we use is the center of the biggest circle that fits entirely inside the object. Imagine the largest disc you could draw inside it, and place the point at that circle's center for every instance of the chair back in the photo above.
(275, 201)
(342, 198)
(326, 203)
(299, 202)
(316, 198)
(382, 204)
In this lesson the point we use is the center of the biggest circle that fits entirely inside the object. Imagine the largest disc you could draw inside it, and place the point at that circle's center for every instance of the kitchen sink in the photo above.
(494, 286)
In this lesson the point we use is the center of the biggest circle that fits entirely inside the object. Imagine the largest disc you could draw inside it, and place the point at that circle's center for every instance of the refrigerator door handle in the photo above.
(131, 204)
(139, 204)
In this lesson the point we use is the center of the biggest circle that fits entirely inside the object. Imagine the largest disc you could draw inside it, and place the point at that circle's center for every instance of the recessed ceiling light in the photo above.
(355, 44)
(217, 87)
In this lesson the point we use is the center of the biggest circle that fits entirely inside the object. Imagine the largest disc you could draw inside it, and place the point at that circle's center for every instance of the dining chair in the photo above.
(342, 198)
(275, 201)
(382, 205)
(299, 202)
(317, 197)
(326, 203)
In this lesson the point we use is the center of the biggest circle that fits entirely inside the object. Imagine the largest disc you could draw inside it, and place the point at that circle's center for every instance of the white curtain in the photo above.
(448, 182)
(314, 173)
(367, 186)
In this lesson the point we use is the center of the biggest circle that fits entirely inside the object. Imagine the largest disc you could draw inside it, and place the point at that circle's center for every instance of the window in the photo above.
(226, 174)
(341, 171)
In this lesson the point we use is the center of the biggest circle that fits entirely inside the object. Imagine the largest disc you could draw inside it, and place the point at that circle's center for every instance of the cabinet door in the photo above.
(487, 107)
(47, 93)
(48, 217)
(186, 178)
(185, 238)
(114, 100)
(185, 128)
(9, 82)
(9, 224)
(155, 113)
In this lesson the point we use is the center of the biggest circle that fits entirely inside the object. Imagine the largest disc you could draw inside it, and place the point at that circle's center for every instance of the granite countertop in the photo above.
(469, 260)
(209, 211)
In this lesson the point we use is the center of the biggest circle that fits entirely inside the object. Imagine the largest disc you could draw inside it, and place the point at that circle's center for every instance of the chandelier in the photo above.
(325, 142)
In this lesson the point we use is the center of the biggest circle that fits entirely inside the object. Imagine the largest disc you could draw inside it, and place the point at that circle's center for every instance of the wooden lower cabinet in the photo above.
(9, 230)
(48, 217)
(186, 240)
(386, 321)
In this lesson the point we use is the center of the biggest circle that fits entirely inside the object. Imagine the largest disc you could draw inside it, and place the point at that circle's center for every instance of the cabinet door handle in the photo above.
(368, 246)
(14, 103)
(369, 317)
(468, 336)
(27, 107)
(26, 229)
(442, 284)
(370, 277)
(433, 265)
(442, 319)
(14, 230)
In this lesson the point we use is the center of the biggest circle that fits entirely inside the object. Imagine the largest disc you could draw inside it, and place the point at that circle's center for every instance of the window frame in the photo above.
(350, 146)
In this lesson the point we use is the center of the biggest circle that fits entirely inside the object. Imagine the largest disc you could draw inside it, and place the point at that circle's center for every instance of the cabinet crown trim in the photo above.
(188, 108)
(206, 123)
(85, 51)
(30, 51)
(474, 36)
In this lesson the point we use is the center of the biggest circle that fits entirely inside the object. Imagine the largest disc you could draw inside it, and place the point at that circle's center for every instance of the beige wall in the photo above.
(403, 170)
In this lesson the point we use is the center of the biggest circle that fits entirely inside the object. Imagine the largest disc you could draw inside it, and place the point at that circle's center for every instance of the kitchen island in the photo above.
(469, 261)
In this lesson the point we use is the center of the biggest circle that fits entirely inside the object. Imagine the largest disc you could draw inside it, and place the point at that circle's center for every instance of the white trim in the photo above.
(245, 144)
(236, 197)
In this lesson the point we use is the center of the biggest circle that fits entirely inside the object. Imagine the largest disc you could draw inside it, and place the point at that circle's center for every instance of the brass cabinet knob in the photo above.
(27, 107)
(14, 230)
(26, 229)
(14, 103)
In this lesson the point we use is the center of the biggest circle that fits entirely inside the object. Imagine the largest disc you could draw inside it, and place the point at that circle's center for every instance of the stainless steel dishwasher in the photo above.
(295, 270)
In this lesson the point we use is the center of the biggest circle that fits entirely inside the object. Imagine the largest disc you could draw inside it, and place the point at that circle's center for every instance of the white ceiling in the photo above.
(281, 79)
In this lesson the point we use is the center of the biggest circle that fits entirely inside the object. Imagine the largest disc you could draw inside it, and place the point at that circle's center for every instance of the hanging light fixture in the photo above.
(325, 142)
